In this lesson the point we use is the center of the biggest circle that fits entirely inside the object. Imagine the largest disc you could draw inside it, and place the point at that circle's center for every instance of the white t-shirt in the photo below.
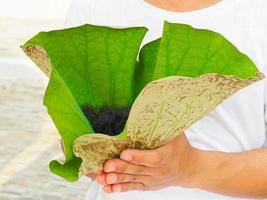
(238, 124)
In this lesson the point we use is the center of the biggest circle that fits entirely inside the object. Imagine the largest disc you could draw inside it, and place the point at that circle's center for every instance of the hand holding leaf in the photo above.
(177, 80)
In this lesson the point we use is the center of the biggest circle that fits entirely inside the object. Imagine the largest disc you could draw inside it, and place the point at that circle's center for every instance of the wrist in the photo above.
(212, 169)
(195, 171)
(188, 162)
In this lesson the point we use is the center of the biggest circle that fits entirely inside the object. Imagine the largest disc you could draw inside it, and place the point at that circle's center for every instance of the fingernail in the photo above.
(127, 157)
(111, 169)
(114, 180)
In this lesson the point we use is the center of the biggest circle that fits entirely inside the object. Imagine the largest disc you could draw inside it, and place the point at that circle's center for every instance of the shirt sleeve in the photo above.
(79, 13)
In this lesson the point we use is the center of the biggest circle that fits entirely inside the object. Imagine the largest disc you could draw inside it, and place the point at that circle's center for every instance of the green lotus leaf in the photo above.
(177, 80)
(187, 51)
(87, 65)
(145, 68)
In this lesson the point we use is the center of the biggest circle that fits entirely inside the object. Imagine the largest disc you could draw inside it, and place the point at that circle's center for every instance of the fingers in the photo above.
(149, 158)
(123, 187)
(121, 166)
(113, 182)
(114, 178)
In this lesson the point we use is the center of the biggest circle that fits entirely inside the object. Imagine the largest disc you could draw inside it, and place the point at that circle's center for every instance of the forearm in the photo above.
(235, 174)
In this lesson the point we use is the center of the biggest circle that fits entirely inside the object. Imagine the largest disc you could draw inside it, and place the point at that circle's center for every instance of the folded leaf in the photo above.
(182, 77)
(146, 65)
(95, 149)
(163, 110)
(89, 66)
(70, 122)
(168, 106)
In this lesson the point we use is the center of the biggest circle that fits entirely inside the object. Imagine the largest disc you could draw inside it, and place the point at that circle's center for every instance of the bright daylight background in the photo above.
(28, 139)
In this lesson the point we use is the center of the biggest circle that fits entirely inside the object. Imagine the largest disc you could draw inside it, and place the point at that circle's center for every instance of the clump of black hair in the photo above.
(110, 121)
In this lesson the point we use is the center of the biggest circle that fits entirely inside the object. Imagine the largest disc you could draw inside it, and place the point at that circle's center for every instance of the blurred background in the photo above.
(28, 139)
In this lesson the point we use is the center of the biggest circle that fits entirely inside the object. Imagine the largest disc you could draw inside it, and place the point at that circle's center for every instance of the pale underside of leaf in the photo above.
(95, 149)
(166, 107)
(39, 56)
(163, 110)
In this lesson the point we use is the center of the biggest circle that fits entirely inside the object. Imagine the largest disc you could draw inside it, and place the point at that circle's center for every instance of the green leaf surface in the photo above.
(70, 122)
(96, 66)
(91, 66)
(146, 65)
(187, 51)
(97, 63)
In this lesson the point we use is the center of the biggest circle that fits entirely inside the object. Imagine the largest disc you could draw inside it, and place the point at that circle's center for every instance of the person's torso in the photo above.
(238, 124)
